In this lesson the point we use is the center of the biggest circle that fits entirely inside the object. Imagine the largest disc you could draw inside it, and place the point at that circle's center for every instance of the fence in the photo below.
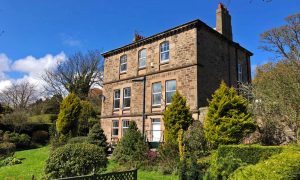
(124, 175)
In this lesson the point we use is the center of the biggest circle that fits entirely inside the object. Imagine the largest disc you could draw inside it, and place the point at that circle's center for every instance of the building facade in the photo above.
(140, 78)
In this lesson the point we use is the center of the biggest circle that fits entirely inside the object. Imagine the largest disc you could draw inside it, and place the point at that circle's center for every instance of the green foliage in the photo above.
(227, 120)
(87, 112)
(96, 136)
(40, 136)
(195, 141)
(285, 165)
(67, 121)
(20, 140)
(132, 149)
(78, 139)
(9, 161)
(177, 116)
(7, 148)
(17, 119)
(168, 158)
(227, 158)
(74, 160)
(43, 118)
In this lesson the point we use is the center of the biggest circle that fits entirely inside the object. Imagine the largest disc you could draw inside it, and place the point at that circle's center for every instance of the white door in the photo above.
(156, 132)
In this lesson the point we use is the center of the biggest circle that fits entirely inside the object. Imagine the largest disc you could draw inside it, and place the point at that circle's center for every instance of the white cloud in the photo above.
(31, 66)
(4, 65)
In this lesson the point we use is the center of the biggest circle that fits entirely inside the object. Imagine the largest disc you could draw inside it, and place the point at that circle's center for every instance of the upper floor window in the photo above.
(115, 128)
(126, 97)
(142, 58)
(125, 126)
(156, 94)
(170, 90)
(164, 51)
(123, 63)
(117, 99)
(240, 73)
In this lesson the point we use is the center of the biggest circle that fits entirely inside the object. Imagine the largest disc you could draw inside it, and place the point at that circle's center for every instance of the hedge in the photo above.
(227, 158)
(285, 165)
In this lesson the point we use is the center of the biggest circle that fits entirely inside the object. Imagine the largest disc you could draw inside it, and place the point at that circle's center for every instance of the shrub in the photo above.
(96, 136)
(9, 161)
(7, 148)
(195, 141)
(74, 160)
(177, 116)
(132, 149)
(67, 121)
(20, 140)
(285, 165)
(227, 120)
(227, 158)
(168, 158)
(40, 137)
(87, 112)
(78, 139)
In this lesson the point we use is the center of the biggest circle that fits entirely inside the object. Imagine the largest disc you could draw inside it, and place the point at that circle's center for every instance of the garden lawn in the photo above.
(142, 174)
(32, 164)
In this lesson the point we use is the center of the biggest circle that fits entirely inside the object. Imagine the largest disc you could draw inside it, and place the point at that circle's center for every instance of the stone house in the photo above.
(193, 58)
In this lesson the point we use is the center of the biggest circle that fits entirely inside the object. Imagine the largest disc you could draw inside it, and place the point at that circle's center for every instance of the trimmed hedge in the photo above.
(227, 158)
(78, 139)
(250, 154)
(285, 165)
(7, 148)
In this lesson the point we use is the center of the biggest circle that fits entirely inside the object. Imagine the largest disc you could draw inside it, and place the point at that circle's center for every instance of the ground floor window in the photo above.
(156, 130)
(115, 127)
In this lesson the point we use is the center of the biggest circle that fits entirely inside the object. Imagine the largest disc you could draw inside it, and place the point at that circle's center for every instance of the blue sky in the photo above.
(36, 33)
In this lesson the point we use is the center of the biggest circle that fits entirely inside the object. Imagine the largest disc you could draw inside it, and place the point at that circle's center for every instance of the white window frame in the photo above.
(240, 73)
(123, 58)
(163, 51)
(142, 58)
(170, 91)
(119, 98)
(115, 127)
(125, 122)
(126, 97)
(156, 93)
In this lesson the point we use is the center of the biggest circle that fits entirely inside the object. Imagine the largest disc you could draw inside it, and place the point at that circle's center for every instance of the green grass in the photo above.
(34, 161)
(43, 118)
(142, 174)
(33, 164)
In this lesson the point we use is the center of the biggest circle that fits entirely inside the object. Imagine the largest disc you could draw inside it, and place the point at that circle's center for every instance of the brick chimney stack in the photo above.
(223, 21)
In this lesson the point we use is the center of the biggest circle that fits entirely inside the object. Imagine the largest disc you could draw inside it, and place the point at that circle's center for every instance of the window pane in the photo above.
(125, 126)
(127, 102)
(115, 124)
(169, 96)
(123, 59)
(115, 132)
(171, 85)
(164, 56)
(142, 53)
(127, 92)
(115, 127)
(156, 87)
(117, 93)
(142, 62)
(117, 103)
(123, 67)
(156, 99)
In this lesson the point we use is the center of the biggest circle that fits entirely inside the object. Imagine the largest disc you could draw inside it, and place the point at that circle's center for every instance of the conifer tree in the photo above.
(96, 136)
(176, 117)
(227, 120)
(132, 149)
(67, 121)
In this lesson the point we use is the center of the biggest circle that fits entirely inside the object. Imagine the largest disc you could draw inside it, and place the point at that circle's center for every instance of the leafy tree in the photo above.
(227, 120)
(17, 119)
(74, 160)
(132, 149)
(77, 74)
(96, 136)
(67, 122)
(177, 116)
(87, 113)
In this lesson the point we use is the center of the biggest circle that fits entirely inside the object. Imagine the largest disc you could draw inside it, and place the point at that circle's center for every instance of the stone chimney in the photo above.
(223, 21)
(137, 37)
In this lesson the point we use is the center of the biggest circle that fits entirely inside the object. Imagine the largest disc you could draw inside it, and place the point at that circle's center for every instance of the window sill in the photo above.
(141, 68)
(126, 108)
(156, 106)
(116, 109)
(164, 62)
(123, 72)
